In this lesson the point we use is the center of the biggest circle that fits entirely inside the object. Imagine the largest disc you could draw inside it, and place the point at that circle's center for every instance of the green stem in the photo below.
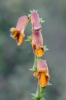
(38, 92)
(35, 62)
(42, 89)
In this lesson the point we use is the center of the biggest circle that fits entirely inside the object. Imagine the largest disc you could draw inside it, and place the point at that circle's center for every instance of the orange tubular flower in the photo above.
(18, 32)
(35, 21)
(37, 43)
(42, 73)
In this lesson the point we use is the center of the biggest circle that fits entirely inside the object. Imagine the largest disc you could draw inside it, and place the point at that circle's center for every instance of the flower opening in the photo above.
(42, 73)
(18, 32)
(37, 43)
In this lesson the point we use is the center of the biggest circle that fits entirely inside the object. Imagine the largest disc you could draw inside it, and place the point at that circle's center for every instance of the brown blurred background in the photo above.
(16, 81)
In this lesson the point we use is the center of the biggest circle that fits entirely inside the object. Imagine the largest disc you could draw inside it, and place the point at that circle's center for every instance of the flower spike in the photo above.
(18, 32)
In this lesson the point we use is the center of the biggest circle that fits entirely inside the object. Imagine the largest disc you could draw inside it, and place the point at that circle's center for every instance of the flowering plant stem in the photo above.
(39, 93)
(40, 67)
(40, 90)
(35, 62)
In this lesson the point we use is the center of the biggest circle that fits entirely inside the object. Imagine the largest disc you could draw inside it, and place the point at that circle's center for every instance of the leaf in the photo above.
(33, 94)
(26, 40)
(34, 70)
(42, 99)
(49, 83)
(31, 69)
(29, 39)
(33, 10)
(41, 20)
(29, 17)
(45, 48)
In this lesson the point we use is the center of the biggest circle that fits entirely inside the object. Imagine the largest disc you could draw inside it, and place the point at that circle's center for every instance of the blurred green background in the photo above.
(16, 81)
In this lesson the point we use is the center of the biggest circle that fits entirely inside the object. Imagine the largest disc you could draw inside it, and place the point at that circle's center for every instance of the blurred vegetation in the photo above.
(16, 81)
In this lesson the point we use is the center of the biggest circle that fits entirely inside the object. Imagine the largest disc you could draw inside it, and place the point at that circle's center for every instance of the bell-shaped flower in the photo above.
(42, 73)
(35, 21)
(37, 43)
(18, 32)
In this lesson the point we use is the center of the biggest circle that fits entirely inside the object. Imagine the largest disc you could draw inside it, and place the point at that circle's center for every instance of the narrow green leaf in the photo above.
(33, 10)
(49, 83)
(45, 48)
(29, 39)
(41, 20)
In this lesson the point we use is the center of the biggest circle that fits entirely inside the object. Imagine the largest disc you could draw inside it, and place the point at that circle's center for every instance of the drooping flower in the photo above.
(42, 73)
(37, 43)
(35, 21)
(18, 32)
